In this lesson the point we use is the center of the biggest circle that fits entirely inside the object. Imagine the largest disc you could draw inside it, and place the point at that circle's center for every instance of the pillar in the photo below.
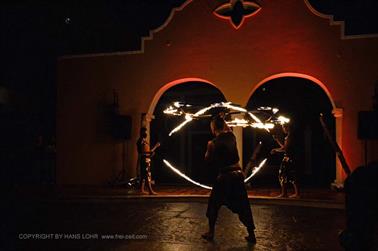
(238, 132)
(338, 114)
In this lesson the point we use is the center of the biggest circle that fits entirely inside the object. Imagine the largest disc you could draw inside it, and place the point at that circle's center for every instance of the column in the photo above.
(338, 114)
(238, 132)
(146, 120)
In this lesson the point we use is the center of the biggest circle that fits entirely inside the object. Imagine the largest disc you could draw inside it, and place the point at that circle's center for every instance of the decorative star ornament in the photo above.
(236, 11)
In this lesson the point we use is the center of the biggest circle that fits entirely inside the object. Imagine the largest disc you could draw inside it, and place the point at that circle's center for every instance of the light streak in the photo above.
(265, 126)
(236, 108)
(254, 171)
(268, 108)
(189, 117)
(204, 110)
(238, 122)
(177, 104)
(184, 176)
(273, 120)
(173, 111)
(245, 123)
(176, 110)
(180, 126)
(283, 120)
(264, 108)
(255, 118)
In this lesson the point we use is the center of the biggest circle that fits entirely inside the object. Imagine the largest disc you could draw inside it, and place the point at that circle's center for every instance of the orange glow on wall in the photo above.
(286, 39)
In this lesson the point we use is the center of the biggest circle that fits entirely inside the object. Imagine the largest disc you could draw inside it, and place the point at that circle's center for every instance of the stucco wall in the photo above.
(284, 37)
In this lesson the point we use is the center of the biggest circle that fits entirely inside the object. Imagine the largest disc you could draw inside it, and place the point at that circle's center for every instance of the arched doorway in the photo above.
(185, 149)
(302, 100)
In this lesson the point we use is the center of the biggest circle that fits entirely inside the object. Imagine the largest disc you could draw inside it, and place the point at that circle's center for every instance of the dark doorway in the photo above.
(302, 101)
(185, 149)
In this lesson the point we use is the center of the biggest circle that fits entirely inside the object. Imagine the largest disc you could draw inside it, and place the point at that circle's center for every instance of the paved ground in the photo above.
(316, 197)
(164, 225)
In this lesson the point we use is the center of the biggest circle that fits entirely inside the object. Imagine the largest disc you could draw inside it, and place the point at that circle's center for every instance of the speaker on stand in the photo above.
(121, 131)
(367, 129)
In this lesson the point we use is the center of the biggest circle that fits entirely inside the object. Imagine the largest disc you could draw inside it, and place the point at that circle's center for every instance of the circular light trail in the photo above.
(177, 109)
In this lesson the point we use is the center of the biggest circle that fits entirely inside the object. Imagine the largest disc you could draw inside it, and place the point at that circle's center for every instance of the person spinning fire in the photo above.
(287, 172)
(144, 161)
(228, 188)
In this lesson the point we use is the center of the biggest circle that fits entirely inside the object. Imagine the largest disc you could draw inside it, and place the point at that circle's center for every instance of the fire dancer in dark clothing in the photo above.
(228, 188)
(144, 161)
(287, 171)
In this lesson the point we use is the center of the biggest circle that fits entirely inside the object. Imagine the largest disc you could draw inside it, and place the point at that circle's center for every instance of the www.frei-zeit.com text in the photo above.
(81, 236)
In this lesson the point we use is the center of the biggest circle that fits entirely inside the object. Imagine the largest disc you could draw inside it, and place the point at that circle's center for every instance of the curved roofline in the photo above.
(143, 39)
(338, 23)
(186, 3)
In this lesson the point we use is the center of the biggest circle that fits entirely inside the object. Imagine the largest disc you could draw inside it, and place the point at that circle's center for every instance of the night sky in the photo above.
(35, 34)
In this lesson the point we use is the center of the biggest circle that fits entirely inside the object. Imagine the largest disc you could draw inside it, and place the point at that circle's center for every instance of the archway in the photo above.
(301, 98)
(187, 148)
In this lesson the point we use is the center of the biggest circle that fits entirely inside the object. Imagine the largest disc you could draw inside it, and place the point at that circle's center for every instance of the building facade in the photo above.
(277, 39)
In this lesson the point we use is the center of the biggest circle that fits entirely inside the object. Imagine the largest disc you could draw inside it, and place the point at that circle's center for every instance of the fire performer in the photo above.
(287, 172)
(228, 188)
(144, 161)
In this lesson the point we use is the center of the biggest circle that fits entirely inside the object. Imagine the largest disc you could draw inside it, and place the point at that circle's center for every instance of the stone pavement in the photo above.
(143, 224)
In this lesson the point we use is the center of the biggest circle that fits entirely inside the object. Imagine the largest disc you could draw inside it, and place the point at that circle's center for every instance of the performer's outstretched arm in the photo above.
(149, 152)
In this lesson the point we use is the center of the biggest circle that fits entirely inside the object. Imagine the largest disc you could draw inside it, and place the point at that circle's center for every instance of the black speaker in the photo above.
(122, 127)
(368, 125)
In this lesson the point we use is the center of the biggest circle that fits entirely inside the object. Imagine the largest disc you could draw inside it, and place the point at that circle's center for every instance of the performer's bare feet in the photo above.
(209, 236)
(143, 192)
(295, 196)
(281, 195)
(153, 193)
(251, 238)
